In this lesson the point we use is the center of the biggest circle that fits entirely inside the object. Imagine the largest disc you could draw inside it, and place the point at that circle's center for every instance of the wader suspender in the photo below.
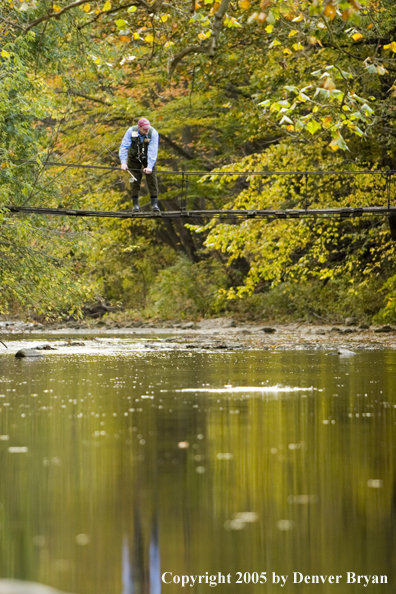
(142, 148)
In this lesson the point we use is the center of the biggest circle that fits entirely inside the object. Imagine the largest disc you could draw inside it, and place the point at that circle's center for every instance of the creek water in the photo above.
(118, 467)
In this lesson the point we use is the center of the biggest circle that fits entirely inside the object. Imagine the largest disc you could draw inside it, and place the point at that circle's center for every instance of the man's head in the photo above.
(143, 125)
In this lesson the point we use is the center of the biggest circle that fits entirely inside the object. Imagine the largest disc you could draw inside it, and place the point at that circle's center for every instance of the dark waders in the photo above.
(136, 167)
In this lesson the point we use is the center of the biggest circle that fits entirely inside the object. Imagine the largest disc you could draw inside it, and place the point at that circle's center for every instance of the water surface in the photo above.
(118, 466)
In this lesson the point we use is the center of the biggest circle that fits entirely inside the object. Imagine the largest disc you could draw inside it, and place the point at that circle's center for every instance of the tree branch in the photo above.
(156, 6)
(53, 15)
(209, 47)
(113, 10)
(12, 24)
(77, 94)
(182, 151)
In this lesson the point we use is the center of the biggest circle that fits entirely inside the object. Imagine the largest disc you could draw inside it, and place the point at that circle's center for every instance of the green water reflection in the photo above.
(108, 496)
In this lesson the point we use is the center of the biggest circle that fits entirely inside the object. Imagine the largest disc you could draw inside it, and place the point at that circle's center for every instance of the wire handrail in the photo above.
(212, 173)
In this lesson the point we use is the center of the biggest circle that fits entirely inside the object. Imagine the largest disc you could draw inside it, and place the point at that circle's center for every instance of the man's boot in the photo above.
(154, 204)
(135, 200)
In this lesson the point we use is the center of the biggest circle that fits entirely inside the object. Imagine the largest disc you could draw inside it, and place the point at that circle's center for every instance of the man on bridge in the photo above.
(138, 154)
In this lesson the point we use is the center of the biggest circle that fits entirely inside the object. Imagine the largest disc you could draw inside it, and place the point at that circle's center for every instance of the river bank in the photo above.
(220, 333)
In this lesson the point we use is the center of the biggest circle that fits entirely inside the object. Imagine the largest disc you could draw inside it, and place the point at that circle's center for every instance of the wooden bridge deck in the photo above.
(219, 214)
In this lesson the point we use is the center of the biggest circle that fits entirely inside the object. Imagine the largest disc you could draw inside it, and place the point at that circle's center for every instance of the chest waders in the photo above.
(137, 161)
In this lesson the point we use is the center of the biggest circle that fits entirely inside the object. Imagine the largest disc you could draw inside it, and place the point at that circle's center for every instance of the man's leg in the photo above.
(152, 183)
(136, 169)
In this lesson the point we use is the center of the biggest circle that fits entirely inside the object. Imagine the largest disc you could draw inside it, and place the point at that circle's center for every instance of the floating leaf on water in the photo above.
(200, 469)
(183, 445)
(247, 517)
(302, 499)
(285, 525)
(39, 540)
(18, 450)
(4, 437)
(234, 524)
(82, 539)
(375, 483)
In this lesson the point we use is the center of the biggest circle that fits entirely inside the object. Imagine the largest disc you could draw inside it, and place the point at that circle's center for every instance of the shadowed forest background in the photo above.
(281, 85)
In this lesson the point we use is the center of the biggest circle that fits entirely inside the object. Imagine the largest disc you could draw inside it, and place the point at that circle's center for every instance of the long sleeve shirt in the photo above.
(152, 152)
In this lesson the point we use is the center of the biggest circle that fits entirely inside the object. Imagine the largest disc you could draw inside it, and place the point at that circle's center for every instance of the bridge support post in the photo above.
(392, 226)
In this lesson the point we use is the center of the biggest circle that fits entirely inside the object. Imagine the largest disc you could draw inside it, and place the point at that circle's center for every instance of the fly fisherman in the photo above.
(138, 153)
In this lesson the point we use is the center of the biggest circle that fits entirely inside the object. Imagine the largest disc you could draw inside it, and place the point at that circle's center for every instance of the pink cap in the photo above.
(144, 123)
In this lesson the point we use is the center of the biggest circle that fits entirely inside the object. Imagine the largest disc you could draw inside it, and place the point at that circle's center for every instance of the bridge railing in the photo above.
(186, 203)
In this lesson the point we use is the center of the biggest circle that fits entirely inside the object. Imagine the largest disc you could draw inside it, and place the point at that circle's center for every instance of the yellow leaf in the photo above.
(136, 35)
(290, 127)
(168, 44)
(56, 8)
(298, 18)
(86, 8)
(330, 12)
(357, 36)
(5, 54)
(106, 6)
(293, 32)
(124, 38)
(391, 46)
(287, 51)
(164, 17)
(370, 26)
(149, 38)
(297, 47)
(269, 28)
(262, 17)
(245, 4)
(314, 41)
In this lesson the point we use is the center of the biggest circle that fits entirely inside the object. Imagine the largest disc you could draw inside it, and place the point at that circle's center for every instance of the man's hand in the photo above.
(147, 170)
(124, 166)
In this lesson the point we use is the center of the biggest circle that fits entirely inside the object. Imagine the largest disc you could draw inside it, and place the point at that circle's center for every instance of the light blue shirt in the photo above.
(152, 152)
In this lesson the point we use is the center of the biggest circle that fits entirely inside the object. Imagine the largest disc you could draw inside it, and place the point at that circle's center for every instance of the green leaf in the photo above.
(270, 18)
(371, 68)
(121, 24)
(313, 126)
